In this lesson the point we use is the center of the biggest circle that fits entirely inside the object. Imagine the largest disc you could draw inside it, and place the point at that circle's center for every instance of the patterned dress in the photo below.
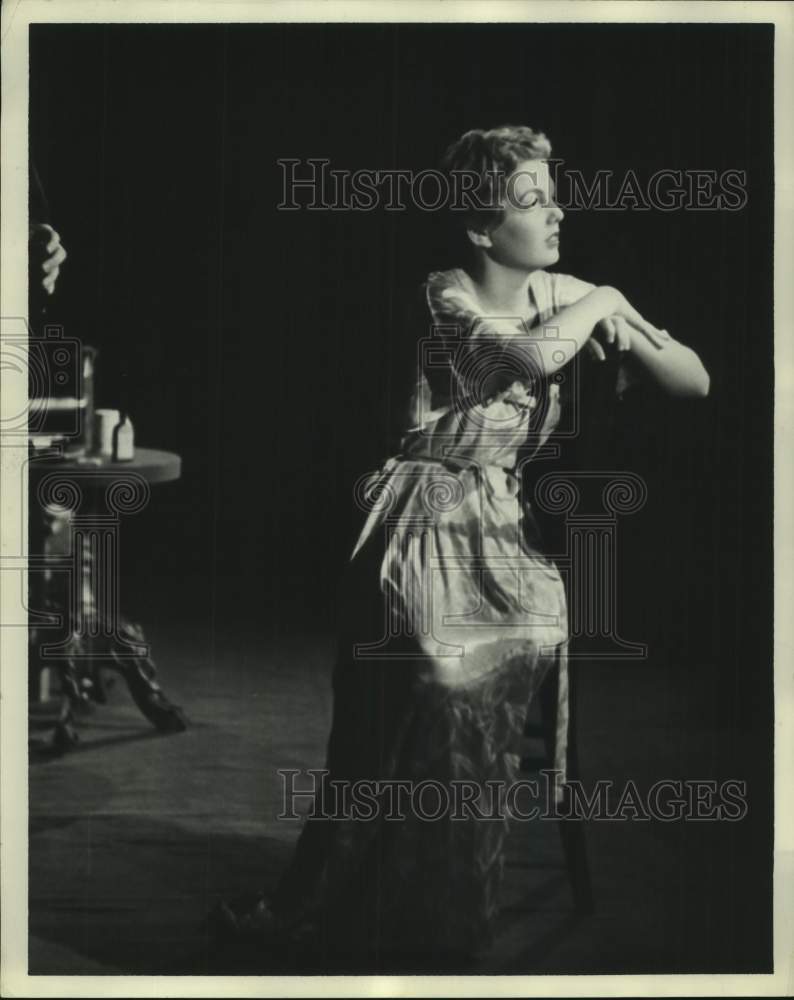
(452, 616)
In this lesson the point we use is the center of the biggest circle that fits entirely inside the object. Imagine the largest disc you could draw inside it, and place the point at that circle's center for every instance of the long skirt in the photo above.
(451, 617)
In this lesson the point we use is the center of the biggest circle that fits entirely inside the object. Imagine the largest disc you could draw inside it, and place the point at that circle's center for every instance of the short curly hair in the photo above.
(492, 155)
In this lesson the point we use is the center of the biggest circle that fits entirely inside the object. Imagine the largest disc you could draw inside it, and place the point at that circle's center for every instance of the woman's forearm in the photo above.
(675, 368)
(560, 338)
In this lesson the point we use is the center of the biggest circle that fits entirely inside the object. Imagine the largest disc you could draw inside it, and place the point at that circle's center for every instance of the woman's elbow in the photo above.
(699, 386)
(703, 380)
(689, 385)
(691, 388)
(698, 381)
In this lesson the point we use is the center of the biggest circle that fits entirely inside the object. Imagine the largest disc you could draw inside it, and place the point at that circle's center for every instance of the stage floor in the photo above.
(134, 836)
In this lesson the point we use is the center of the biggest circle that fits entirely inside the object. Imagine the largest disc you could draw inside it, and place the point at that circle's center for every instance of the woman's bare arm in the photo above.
(675, 368)
(556, 341)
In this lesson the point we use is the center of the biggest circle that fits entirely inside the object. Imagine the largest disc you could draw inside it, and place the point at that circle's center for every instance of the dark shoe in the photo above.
(258, 922)
(255, 921)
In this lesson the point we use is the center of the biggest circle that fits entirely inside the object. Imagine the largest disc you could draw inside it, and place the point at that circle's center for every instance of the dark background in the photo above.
(262, 345)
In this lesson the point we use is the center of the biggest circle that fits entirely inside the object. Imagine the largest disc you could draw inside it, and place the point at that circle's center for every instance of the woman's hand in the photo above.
(673, 366)
(623, 334)
(624, 322)
(50, 254)
(615, 330)
(594, 349)
(621, 328)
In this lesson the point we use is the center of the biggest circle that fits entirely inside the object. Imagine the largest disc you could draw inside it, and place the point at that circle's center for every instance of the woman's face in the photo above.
(527, 238)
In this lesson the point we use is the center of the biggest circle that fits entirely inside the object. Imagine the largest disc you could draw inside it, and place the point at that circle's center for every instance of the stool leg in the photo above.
(572, 835)
(572, 831)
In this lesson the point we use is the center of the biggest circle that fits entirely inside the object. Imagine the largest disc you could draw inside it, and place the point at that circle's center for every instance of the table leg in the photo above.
(85, 548)
(139, 673)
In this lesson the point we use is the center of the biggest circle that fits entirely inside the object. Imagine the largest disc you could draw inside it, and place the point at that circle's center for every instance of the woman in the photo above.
(452, 614)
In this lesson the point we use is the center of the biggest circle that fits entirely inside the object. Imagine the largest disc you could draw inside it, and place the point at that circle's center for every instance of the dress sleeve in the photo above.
(491, 354)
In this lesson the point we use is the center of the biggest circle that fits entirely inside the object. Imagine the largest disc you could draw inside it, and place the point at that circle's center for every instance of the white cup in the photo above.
(106, 422)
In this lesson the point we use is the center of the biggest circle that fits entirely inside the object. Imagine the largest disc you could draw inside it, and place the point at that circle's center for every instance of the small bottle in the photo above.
(106, 422)
(124, 440)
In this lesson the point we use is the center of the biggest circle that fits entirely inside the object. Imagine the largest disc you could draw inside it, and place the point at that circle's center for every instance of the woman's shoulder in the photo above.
(555, 291)
(453, 290)
(452, 300)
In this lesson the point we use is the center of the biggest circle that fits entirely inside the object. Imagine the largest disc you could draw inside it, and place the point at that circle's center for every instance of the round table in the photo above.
(154, 465)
